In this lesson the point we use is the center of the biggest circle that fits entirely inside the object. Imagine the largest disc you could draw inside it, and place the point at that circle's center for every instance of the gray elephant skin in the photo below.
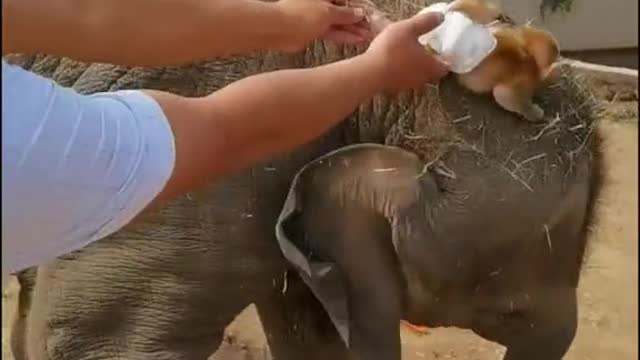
(483, 225)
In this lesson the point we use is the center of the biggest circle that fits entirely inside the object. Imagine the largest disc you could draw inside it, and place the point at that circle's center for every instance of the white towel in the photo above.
(458, 41)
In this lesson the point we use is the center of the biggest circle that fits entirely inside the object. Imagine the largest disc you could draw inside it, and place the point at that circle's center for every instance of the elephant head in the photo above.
(381, 236)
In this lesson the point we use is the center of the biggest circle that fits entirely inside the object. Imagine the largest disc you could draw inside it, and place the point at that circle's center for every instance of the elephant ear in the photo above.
(381, 180)
(320, 276)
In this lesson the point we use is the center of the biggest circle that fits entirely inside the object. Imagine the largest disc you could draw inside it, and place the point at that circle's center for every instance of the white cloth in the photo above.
(75, 168)
(459, 41)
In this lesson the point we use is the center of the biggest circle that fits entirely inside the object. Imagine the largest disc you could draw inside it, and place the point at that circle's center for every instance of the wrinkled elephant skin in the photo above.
(409, 248)
(489, 236)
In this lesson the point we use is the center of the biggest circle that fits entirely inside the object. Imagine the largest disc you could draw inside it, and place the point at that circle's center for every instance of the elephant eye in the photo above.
(511, 315)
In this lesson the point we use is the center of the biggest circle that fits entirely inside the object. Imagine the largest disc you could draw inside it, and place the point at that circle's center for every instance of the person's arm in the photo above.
(106, 157)
(263, 115)
(163, 32)
(260, 116)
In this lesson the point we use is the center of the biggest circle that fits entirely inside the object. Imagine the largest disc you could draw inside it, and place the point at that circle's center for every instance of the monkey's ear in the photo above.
(543, 46)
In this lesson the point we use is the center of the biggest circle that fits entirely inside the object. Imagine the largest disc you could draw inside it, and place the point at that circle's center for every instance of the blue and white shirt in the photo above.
(75, 168)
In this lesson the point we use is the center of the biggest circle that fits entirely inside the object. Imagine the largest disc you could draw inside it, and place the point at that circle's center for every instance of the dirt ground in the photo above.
(608, 292)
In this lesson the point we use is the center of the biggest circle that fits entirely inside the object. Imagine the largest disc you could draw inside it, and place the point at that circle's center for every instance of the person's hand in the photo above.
(323, 19)
(375, 18)
(401, 61)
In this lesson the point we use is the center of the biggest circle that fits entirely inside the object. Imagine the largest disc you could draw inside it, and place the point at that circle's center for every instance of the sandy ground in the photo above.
(608, 292)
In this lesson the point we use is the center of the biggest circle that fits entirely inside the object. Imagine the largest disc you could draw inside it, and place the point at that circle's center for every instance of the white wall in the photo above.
(590, 25)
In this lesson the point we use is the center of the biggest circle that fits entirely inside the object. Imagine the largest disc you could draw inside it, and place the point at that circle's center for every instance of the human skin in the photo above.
(126, 32)
(168, 286)
(224, 122)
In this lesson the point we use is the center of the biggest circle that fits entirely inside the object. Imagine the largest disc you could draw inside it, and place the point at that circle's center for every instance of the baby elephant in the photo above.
(403, 244)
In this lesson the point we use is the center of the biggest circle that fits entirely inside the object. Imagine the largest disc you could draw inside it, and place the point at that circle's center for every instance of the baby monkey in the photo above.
(521, 62)
(518, 66)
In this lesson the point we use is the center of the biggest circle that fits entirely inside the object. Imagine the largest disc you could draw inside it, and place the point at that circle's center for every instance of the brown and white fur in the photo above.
(519, 65)
(521, 62)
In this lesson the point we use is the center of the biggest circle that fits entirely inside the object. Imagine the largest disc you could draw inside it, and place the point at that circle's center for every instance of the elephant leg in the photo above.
(297, 326)
(26, 280)
(109, 322)
(35, 324)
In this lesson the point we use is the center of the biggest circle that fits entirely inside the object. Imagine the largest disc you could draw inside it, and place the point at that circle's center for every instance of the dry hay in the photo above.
(443, 119)
(451, 124)
(450, 119)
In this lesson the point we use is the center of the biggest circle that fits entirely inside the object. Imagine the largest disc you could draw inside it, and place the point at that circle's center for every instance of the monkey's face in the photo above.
(503, 18)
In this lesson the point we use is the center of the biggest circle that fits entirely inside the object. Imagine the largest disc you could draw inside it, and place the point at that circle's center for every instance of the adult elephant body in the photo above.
(165, 287)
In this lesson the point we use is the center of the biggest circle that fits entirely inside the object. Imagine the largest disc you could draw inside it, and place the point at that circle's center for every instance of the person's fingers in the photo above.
(423, 23)
(436, 69)
(344, 15)
(359, 29)
(344, 37)
(337, 2)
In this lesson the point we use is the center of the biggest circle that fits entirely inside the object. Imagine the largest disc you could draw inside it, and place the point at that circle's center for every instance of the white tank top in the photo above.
(75, 168)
